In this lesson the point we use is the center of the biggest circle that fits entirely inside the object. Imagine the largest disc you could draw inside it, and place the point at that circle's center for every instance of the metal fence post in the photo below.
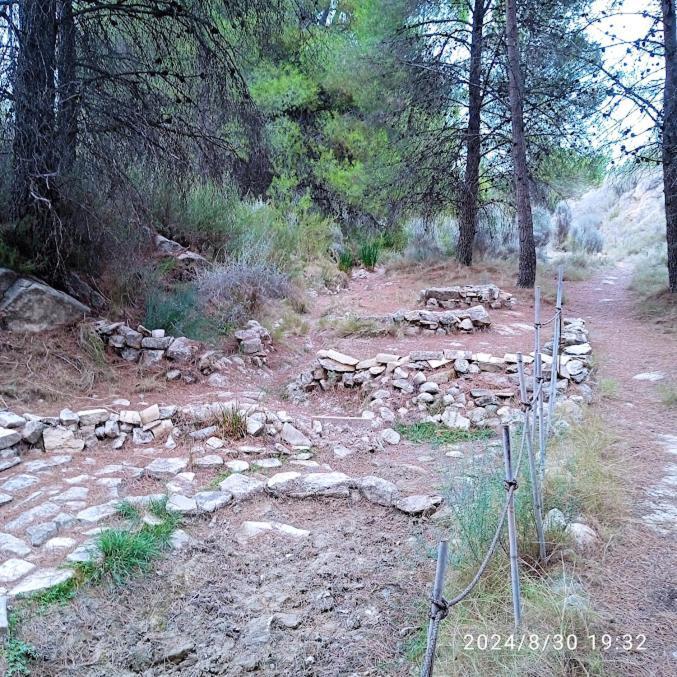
(511, 486)
(437, 609)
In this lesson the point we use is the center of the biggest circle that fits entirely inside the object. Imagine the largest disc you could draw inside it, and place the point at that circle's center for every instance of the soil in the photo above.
(350, 598)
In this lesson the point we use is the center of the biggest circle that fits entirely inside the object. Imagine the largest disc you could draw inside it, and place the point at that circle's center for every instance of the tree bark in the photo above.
(68, 89)
(669, 137)
(34, 93)
(527, 254)
(471, 182)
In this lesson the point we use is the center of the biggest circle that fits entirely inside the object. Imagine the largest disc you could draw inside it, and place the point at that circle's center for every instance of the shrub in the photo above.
(542, 226)
(586, 237)
(562, 220)
(179, 313)
(346, 260)
(233, 291)
(369, 253)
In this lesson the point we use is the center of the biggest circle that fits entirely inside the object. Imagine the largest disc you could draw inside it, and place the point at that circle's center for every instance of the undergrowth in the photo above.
(581, 482)
(435, 434)
(668, 394)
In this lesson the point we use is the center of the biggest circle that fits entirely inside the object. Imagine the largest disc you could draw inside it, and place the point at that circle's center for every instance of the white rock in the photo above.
(419, 504)
(377, 490)
(38, 512)
(96, 513)
(40, 533)
(149, 414)
(93, 416)
(241, 486)
(13, 569)
(42, 579)
(19, 482)
(649, 376)
(182, 505)
(10, 420)
(215, 443)
(295, 485)
(267, 463)
(9, 543)
(255, 427)
(9, 437)
(295, 437)
(208, 461)
(253, 529)
(583, 537)
(237, 466)
(452, 418)
(554, 520)
(166, 468)
(390, 436)
(340, 452)
(209, 501)
(130, 417)
(60, 543)
(61, 439)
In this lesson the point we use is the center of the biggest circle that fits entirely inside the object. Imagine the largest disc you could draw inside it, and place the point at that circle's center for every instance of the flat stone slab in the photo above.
(649, 376)
(296, 485)
(241, 487)
(9, 543)
(419, 504)
(43, 579)
(13, 569)
(38, 512)
(96, 513)
(253, 529)
(166, 468)
(19, 482)
(47, 463)
(182, 505)
(209, 501)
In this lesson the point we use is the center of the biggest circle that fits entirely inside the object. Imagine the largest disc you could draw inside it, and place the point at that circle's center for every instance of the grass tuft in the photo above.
(668, 393)
(369, 253)
(233, 423)
(436, 434)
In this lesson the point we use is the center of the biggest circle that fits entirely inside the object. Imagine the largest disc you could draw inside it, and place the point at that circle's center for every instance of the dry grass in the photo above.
(583, 483)
(233, 423)
(51, 366)
(655, 303)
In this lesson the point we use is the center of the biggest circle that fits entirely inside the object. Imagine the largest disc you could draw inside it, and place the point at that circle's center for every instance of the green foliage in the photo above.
(369, 252)
(283, 89)
(58, 594)
(668, 394)
(435, 434)
(568, 173)
(346, 260)
(18, 656)
(179, 313)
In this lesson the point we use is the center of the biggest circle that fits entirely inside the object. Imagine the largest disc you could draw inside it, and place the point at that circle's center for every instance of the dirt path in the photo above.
(635, 586)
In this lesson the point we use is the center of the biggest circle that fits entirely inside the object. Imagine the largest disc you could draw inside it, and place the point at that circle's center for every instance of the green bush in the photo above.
(179, 313)
(346, 260)
(369, 253)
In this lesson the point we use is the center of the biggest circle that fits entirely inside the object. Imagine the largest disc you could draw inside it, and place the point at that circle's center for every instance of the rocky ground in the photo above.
(304, 552)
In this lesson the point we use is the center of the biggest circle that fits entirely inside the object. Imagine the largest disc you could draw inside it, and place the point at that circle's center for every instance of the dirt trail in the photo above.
(635, 586)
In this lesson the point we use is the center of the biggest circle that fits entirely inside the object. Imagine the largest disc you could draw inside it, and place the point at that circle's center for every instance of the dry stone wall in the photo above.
(466, 295)
(433, 383)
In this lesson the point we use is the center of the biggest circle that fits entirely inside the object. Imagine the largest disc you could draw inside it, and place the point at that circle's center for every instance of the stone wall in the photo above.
(445, 322)
(150, 347)
(466, 295)
(441, 380)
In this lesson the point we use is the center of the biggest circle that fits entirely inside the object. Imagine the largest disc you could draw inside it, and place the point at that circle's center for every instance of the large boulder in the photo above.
(32, 306)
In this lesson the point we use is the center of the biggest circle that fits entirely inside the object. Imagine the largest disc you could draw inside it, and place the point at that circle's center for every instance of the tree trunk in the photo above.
(527, 255)
(34, 93)
(68, 90)
(669, 140)
(471, 182)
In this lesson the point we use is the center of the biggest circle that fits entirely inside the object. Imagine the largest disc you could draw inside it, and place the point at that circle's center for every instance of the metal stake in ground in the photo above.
(537, 352)
(557, 334)
(533, 471)
(511, 486)
(438, 609)
(540, 384)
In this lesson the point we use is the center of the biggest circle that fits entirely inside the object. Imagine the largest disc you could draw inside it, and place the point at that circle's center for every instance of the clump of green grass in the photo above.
(233, 423)
(214, 484)
(128, 511)
(59, 594)
(353, 325)
(346, 261)
(369, 253)
(668, 393)
(436, 434)
(125, 552)
(608, 388)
